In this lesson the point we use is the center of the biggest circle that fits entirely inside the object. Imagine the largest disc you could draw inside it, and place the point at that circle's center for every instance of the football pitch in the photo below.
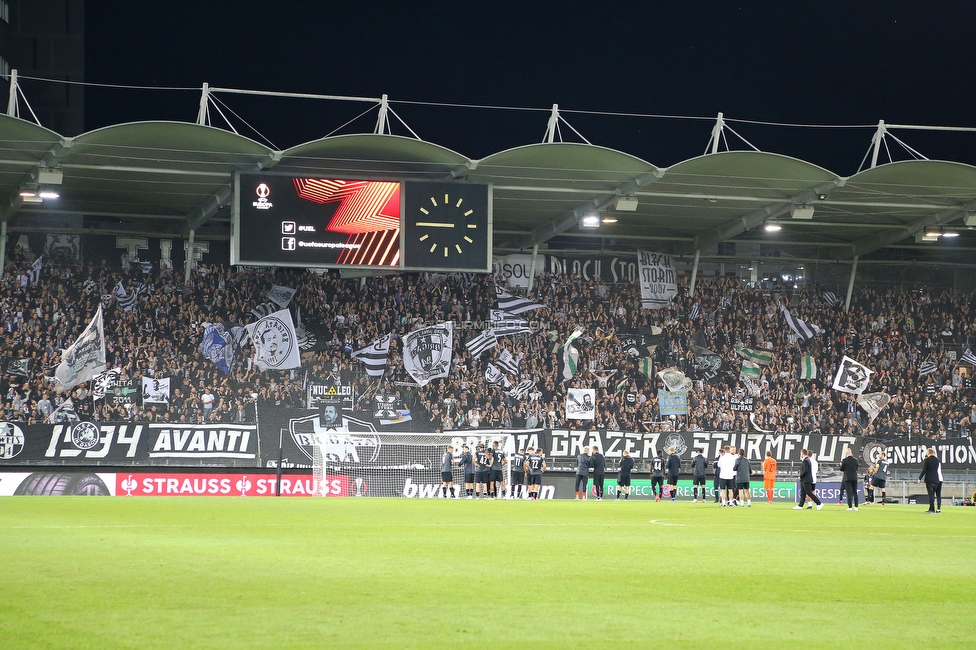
(90, 572)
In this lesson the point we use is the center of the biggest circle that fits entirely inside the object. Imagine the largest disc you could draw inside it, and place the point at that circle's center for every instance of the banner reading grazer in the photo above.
(658, 282)
(565, 444)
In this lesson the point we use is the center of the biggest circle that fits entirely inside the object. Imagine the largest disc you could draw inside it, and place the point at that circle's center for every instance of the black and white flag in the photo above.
(35, 270)
(514, 304)
(507, 362)
(102, 382)
(481, 343)
(800, 328)
(831, 298)
(155, 390)
(927, 368)
(852, 377)
(275, 342)
(86, 356)
(280, 295)
(264, 309)
(427, 352)
(872, 403)
(521, 389)
(506, 324)
(19, 367)
(968, 357)
(495, 377)
(374, 355)
(64, 413)
(695, 311)
(127, 300)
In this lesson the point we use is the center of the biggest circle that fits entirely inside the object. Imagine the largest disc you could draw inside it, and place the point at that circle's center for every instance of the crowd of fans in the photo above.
(159, 336)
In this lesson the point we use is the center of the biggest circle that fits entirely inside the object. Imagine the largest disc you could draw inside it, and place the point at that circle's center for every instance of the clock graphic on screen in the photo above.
(446, 226)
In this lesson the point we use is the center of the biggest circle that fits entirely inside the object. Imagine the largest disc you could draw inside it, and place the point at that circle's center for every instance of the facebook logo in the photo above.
(287, 243)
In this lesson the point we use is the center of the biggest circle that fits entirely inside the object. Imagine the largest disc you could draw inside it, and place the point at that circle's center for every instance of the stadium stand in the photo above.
(898, 335)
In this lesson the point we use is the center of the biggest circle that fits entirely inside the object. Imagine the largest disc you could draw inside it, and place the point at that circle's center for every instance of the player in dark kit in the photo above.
(467, 464)
(848, 468)
(483, 459)
(623, 475)
(496, 475)
(535, 465)
(657, 475)
(716, 480)
(698, 464)
(447, 475)
(518, 474)
(674, 469)
(599, 463)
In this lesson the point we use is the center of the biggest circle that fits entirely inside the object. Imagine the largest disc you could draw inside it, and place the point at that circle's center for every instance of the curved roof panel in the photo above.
(561, 164)
(369, 153)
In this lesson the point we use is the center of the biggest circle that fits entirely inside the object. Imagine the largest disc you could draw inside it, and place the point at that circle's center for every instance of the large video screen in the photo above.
(355, 223)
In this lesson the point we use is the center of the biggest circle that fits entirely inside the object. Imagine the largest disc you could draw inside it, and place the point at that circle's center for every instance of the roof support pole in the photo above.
(878, 138)
(204, 105)
(717, 133)
(850, 285)
(12, 97)
(694, 273)
(382, 121)
(553, 125)
(3, 246)
(535, 255)
(189, 257)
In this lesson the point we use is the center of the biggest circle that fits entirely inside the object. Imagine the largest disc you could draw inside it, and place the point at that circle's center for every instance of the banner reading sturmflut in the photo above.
(658, 282)
(427, 352)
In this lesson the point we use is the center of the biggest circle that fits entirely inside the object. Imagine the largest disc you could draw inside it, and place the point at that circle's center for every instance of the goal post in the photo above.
(396, 464)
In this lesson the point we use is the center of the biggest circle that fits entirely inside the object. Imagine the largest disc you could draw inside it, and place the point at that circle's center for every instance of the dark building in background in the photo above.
(46, 39)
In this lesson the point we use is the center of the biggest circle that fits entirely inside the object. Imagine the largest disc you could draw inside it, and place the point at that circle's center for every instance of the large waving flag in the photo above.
(571, 355)
(852, 377)
(800, 328)
(35, 270)
(218, 345)
(481, 343)
(275, 342)
(808, 367)
(86, 356)
(762, 357)
(514, 304)
(374, 356)
(125, 299)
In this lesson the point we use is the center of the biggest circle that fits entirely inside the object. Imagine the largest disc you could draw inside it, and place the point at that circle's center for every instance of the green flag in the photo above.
(762, 357)
(750, 370)
(808, 367)
(647, 367)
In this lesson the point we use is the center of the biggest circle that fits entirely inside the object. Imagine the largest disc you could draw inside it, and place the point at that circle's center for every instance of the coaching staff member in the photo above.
(806, 482)
(849, 468)
(932, 473)
(599, 464)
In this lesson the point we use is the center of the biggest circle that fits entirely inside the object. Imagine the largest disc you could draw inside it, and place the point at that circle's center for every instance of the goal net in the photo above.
(396, 464)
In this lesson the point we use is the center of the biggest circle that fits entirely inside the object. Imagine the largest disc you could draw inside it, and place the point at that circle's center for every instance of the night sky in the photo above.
(795, 62)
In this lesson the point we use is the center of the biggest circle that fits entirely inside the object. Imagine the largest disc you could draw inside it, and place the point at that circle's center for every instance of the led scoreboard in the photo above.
(316, 222)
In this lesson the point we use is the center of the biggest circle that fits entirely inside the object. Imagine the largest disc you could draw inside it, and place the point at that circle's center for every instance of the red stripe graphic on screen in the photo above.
(369, 212)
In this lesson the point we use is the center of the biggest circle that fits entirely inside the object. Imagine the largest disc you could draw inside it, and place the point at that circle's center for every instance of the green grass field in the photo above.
(287, 573)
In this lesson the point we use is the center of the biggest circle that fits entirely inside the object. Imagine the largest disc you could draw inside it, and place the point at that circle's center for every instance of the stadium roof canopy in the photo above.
(171, 178)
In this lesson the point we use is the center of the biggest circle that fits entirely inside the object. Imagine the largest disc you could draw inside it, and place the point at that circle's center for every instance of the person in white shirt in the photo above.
(726, 474)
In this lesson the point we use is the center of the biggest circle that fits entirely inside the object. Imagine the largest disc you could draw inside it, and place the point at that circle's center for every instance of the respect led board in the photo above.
(361, 223)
